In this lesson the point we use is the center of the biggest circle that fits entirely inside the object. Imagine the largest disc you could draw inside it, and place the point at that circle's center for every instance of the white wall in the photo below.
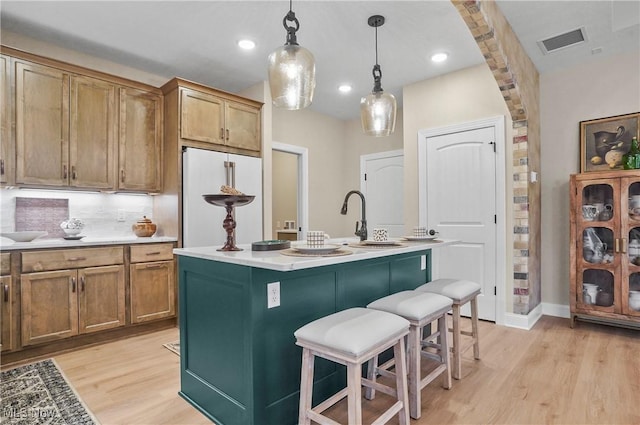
(602, 88)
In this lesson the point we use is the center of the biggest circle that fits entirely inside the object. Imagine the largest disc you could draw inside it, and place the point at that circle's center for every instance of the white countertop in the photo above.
(84, 242)
(273, 260)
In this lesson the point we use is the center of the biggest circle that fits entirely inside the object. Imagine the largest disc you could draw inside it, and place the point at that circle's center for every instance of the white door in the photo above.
(461, 204)
(382, 186)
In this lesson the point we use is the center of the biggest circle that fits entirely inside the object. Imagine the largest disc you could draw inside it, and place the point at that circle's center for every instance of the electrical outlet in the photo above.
(121, 215)
(423, 262)
(273, 294)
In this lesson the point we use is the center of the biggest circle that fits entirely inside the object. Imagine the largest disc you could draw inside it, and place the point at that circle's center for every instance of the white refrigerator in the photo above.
(203, 172)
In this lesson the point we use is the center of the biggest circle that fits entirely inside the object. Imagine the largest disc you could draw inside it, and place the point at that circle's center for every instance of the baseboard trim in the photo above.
(522, 321)
(556, 310)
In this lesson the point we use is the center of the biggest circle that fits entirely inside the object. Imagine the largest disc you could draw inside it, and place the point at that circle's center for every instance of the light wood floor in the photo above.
(549, 375)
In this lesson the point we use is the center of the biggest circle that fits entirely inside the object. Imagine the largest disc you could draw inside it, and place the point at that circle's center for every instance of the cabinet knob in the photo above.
(64, 172)
(82, 283)
(122, 175)
(5, 291)
(73, 284)
(227, 134)
(2, 167)
(73, 172)
(221, 133)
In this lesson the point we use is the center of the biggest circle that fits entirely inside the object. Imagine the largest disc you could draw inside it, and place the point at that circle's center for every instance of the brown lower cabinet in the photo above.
(64, 303)
(57, 299)
(152, 282)
(7, 323)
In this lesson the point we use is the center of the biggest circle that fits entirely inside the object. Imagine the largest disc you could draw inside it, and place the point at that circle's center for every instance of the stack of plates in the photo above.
(317, 250)
(388, 242)
(420, 238)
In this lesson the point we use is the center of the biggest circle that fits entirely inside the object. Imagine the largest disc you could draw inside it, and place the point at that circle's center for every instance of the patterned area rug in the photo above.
(39, 393)
(173, 346)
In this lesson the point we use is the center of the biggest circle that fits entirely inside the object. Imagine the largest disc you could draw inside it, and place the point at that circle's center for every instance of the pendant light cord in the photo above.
(376, 44)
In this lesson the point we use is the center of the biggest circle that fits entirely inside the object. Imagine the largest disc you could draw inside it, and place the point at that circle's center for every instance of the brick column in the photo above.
(484, 25)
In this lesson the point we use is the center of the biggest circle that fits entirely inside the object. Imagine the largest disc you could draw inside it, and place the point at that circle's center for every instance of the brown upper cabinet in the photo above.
(140, 141)
(65, 128)
(77, 128)
(212, 119)
(6, 165)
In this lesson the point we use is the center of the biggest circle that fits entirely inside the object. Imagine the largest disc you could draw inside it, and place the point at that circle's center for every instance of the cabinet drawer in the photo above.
(151, 252)
(5, 264)
(36, 261)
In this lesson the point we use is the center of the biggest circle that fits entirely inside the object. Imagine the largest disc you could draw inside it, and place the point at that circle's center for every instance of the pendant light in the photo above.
(378, 109)
(292, 70)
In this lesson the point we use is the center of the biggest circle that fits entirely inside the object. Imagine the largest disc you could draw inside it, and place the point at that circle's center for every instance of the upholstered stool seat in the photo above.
(461, 292)
(420, 309)
(351, 337)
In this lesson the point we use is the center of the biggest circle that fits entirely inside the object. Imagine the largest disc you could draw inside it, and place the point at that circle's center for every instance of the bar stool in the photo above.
(461, 292)
(420, 309)
(351, 337)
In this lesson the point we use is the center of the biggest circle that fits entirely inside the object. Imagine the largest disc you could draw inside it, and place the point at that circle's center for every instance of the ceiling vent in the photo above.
(562, 41)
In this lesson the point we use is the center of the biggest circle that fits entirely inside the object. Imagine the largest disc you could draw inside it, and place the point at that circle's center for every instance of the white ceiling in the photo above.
(197, 40)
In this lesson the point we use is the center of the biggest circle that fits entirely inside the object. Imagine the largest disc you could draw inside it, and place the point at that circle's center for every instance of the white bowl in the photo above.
(26, 236)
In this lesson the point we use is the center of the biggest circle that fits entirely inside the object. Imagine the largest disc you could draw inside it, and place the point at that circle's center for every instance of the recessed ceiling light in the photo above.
(246, 44)
(344, 88)
(439, 57)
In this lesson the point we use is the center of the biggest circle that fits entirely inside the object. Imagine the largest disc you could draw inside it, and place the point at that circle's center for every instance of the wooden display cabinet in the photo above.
(603, 271)
(6, 108)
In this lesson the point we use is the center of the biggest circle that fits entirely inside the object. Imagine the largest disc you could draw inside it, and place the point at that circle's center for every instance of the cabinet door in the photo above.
(101, 298)
(49, 308)
(152, 291)
(42, 125)
(599, 253)
(140, 141)
(630, 224)
(242, 126)
(92, 149)
(6, 316)
(6, 163)
(201, 117)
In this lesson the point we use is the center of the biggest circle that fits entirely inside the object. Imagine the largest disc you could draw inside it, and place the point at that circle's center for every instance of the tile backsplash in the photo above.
(41, 214)
(100, 212)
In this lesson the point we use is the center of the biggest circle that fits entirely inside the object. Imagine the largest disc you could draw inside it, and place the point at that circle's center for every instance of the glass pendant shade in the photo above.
(378, 109)
(292, 77)
(378, 114)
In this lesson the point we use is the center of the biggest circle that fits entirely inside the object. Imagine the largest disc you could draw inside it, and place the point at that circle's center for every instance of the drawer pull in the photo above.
(122, 175)
(153, 266)
(77, 258)
(73, 284)
(2, 166)
(82, 284)
(5, 291)
(64, 172)
(154, 253)
(74, 176)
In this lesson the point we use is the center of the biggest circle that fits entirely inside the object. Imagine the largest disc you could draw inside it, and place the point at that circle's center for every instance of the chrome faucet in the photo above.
(362, 231)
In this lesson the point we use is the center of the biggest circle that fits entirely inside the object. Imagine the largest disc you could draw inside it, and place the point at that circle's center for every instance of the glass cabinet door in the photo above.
(598, 245)
(630, 220)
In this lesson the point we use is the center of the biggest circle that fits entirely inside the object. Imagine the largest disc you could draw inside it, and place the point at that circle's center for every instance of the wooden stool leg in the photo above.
(457, 358)
(444, 350)
(414, 348)
(306, 386)
(354, 393)
(372, 375)
(401, 380)
(474, 327)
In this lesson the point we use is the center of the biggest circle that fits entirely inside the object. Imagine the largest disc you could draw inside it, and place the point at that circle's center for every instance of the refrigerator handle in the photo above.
(230, 172)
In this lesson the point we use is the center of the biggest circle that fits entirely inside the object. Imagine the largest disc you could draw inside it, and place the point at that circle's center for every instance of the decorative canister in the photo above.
(72, 227)
(144, 228)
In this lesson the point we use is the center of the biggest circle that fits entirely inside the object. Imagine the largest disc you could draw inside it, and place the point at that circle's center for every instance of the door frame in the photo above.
(498, 123)
(303, 182)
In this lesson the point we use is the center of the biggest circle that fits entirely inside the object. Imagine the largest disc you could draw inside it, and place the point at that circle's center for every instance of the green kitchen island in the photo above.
(239, 363)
